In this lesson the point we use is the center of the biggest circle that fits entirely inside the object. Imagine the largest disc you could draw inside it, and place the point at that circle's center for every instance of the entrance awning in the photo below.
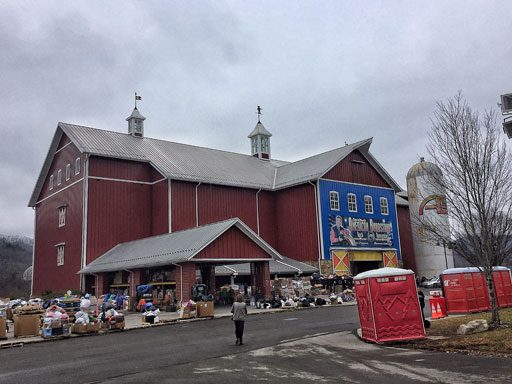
(226, 241)
(284, 266)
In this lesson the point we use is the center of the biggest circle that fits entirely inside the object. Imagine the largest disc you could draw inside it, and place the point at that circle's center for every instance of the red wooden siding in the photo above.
(64, 140)
(183, 203)
(356, 172)
(62, 158)
(121, 169)
(160, 208)
(406, 244)
(46, 274)
(297, 223)
(232, 244)
(117, 212)
(217, 203)
(267, 213)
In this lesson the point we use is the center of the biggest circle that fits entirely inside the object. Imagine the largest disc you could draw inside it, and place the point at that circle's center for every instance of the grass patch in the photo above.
(443, 336)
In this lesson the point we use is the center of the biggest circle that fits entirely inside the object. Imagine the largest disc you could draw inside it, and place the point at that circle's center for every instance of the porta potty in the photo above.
(388, 305)
(466, 290)
(503, 286)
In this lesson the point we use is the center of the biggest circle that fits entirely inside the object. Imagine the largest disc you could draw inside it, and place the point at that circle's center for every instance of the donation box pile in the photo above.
(465, 289)
(388, 305)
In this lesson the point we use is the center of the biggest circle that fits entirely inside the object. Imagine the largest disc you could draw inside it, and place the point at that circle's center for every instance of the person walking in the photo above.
(239, 311)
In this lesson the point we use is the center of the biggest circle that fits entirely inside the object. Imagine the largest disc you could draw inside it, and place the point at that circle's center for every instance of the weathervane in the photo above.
(259, 112)
(137, 98)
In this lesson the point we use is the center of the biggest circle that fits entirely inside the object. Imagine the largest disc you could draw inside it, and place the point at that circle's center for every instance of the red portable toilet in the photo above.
(503, 286)
(465, 290)
(389, 309)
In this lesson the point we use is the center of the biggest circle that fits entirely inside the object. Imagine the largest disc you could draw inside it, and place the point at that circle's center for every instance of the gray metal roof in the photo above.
(176, 247)
(401, 201)
(198, 164)
(259, 129)
(135, 114)
(285, 266)
(314, 167)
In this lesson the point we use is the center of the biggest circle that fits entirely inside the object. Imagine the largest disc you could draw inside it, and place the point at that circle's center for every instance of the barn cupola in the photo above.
(260, 139)
(136, 120)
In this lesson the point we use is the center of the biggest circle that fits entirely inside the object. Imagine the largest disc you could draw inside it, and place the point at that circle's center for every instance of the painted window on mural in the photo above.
(68, 172)
(384, 208)
(51, 182)
(352, 204)
(368, 204)
(77, 166)
(59, 177)
(334, 199)
(60, 255)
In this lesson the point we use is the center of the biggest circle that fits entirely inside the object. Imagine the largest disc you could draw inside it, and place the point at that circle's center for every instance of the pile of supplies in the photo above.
(3, 324)
(111, 319)
(150, 315)
(55, 322)
(188, 310)
(85, 323)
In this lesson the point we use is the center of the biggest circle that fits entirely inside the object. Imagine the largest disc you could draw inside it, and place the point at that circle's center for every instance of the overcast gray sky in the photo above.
(324, 72)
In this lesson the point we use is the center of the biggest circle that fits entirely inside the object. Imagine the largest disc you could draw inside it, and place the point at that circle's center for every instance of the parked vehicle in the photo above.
(432, 283)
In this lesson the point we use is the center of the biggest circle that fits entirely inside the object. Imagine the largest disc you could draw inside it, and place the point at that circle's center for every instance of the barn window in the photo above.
(368, 204)
(352, 204)
(77, 166)
(68, 172)
(62, 216)
(60, 254)
(384, 208)
(59, 177)
(51, 182)
(334, 199)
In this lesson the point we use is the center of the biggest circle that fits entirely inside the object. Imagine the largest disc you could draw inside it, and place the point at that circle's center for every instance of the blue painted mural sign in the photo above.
(346, 226)
(359, 232)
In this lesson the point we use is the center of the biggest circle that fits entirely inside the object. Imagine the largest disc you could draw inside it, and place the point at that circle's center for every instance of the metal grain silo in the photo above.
(427, 201)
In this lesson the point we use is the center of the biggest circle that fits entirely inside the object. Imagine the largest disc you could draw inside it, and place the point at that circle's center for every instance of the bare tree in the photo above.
(476, 174)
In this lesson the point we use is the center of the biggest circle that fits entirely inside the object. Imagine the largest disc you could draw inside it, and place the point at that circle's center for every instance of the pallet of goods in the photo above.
(55, 323)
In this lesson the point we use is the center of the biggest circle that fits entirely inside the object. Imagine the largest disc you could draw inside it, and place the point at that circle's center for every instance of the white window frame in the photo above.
(334, 200)
(59, 177)
(264, 144)
(384, 204)
(51, 182)
(352, 205)
(68, 172)
(62, 215)
(60, 254)
(77, 166)
(368, 204)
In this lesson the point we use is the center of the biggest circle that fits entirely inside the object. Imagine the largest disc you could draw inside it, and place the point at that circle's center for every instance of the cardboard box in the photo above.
(117, 326)
(79, 328)
(204, 309)
(3, 331)
(93, 327)
(26, 325)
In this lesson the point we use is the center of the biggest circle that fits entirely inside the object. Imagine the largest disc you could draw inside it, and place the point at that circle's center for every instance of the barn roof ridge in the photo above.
(194, 163)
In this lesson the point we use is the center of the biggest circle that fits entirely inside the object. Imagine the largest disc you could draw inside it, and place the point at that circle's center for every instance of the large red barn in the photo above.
(99, 191)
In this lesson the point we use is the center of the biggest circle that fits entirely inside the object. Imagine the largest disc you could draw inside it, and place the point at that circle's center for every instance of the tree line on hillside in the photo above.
(15, 258)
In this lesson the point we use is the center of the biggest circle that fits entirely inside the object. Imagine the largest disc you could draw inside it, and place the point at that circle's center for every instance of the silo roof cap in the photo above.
(423, 168)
